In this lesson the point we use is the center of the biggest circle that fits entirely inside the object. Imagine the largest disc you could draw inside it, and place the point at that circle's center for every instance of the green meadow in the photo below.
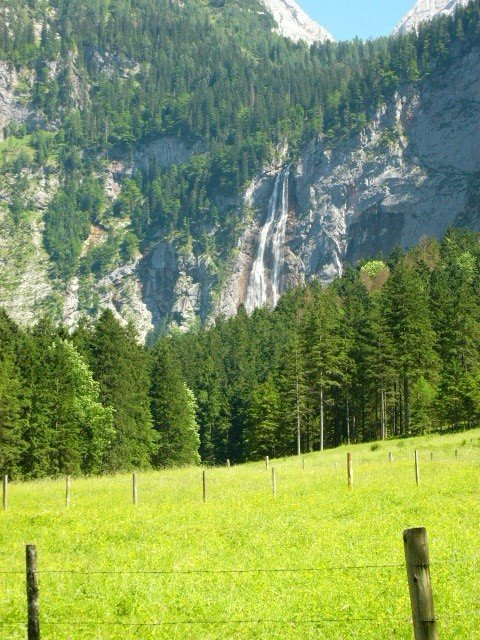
(316, 561)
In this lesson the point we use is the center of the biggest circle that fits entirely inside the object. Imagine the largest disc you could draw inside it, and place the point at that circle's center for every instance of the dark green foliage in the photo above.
(81, 404)
(120, 366)
(387, 351)
(383, 351)
(12, 418)
(67, 223)
(173, 411)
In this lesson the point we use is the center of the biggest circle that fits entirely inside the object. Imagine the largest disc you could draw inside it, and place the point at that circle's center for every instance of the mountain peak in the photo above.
(426, 10)
(294, 23)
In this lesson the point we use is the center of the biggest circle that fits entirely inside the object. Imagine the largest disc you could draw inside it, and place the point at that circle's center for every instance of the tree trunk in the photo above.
(321, 420)
(406, 400)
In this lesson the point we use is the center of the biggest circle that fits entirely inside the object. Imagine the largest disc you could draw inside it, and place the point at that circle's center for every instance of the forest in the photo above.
(105, 78)
(390, 349)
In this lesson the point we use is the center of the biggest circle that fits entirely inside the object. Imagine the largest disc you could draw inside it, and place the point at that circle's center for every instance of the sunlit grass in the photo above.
(313, 523)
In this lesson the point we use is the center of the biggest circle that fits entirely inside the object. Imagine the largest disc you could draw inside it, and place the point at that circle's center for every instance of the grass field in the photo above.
(352, 540)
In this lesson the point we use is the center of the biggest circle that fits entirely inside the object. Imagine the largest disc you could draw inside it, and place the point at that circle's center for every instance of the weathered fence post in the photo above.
(5, 492)
(204, 485)
(228, 463)
(274, 481)
(417, 467)
(421, 596)
(67, 491)
(267, 463)
(431, 456)
(32, 594)
(390, 457)
(303, 463)
(350, 470)
(456, 453)
(134, 489)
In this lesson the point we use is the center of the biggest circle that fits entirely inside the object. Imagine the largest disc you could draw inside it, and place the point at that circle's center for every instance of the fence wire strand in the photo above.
(320, 569)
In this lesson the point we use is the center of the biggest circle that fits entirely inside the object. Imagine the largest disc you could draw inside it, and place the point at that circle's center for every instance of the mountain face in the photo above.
(413, 172)
(175, 205)
(294, 23)
(427, 10)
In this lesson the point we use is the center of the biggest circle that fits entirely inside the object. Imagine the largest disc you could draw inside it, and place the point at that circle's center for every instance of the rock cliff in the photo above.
(415, 171)
(294, 23)
(426, 10)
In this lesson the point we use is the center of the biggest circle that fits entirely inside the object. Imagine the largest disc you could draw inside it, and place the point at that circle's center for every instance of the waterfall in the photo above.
(270, 245)
(278, 240)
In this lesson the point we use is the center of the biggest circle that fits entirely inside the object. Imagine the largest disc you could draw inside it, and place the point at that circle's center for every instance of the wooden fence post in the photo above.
(33, 628)
(417, 467)
(431, 456)
(456, 453)
(303, 463)
(134, 489)
(267, 463)
(5, 492)
(390, 457)
(228, 463)
(418, 571)
(67, 491)
(204, 485)
(350, 470)
(274, 481)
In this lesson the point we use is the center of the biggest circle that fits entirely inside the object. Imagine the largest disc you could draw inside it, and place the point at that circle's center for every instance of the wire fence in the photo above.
(345, 620)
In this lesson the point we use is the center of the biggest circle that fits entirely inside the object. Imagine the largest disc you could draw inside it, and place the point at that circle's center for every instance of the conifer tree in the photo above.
(408, 318)
(120, 366)
(173, 411)
(262, 427)
(12, 419)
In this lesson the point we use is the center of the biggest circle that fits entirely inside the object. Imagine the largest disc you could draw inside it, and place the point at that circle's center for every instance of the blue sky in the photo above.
(346, 19)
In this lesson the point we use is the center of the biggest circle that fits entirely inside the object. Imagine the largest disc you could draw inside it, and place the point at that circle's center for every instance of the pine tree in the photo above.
(408, 317)
(173, 411)
(262, 427)
(325, 355)
(120, 366)
(12, 419)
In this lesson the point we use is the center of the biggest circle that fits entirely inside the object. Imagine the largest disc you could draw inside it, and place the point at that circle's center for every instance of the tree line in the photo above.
(391, 348)
(92, 402)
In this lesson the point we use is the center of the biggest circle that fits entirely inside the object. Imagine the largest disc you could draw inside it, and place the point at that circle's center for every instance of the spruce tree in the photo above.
(173, 409)
(120, 366)
(12, 419)
(408, 316)
(262, 426)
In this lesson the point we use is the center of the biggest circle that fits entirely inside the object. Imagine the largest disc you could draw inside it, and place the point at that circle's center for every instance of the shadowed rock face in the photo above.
(294, 23)
(426, 10)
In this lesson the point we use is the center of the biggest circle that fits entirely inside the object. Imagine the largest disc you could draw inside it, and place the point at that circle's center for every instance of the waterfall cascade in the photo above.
(265, 286)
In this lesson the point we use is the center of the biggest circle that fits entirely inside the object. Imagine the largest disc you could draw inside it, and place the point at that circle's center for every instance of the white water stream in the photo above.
(270, 247)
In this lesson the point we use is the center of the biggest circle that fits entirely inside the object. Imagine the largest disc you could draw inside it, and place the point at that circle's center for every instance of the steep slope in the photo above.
(155, 203)
(427, 10)
(413, 172)
(294, 23)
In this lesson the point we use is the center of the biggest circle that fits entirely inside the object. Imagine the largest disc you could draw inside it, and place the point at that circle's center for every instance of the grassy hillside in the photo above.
(313, 523)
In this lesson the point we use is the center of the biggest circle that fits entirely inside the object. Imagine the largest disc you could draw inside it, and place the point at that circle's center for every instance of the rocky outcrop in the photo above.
(427, 10)
(11, 109)
(166, 151)
(408, 175)
(177, 286)
(294, 23)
